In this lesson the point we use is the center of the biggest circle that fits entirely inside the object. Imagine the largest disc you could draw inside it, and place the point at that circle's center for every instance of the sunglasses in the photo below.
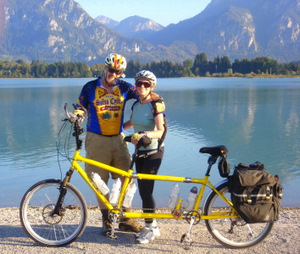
(141, 83)
(112, 70)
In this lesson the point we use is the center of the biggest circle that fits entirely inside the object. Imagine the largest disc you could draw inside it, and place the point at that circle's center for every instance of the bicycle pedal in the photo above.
(111, 236)
(186, 241)
(182, 238)
(186, 238)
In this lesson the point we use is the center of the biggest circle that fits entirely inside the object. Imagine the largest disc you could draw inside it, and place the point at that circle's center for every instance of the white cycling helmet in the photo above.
(116, 61)
(148, 75)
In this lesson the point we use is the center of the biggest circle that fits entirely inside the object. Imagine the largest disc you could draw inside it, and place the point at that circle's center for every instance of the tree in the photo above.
(243, 66)
(131, 69)
(200, 65)
(52, 71)
(97, 70)
(220, 67)
(187, 68)
(225, 64)
(84, 70)
(35, 68)
(215, 67)
(264, 64)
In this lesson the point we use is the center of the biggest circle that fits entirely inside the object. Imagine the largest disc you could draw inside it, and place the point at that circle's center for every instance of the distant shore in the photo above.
(284, 237)
(197, 77)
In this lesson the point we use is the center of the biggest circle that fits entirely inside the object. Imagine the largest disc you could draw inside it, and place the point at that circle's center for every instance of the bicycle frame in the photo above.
(128, 176)
(64, 221)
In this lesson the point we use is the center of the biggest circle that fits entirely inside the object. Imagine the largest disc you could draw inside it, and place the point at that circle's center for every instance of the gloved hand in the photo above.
(140, 139)
(136, 136)
(80, 114)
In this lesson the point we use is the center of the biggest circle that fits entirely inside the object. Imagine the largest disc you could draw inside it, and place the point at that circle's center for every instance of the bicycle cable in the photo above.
(63, 144)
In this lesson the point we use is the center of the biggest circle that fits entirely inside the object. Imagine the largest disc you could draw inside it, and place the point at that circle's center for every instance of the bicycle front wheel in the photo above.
(234, 232)
(45, 227)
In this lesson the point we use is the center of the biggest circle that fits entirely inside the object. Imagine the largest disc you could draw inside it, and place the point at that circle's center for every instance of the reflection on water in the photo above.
(257, 119)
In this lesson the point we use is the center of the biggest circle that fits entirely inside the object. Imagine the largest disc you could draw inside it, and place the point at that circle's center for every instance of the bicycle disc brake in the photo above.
(51, 218)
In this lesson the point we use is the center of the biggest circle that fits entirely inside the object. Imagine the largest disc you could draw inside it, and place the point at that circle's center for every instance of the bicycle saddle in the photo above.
(215, 150)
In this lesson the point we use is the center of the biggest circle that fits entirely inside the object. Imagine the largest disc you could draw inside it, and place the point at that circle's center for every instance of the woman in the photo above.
(148, 121)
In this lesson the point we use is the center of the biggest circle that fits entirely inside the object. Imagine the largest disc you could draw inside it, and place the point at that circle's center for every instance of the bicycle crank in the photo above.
(186, 238)
(114, 218)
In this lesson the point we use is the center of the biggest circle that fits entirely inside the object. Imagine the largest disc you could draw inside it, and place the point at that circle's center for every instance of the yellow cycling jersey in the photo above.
(105, 110)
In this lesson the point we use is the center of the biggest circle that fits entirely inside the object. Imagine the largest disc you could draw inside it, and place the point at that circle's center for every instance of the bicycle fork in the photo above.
(58, 210)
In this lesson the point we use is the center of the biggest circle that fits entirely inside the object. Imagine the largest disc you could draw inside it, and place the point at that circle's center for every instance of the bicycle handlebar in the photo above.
(72, 118)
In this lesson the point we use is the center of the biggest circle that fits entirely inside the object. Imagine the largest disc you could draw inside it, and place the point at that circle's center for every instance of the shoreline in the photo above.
(284, 237)
(197, 77)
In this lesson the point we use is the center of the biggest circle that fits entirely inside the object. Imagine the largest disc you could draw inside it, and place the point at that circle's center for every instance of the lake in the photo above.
(257, 119)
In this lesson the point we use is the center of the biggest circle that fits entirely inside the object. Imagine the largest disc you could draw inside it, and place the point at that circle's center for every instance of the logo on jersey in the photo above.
(109, 108)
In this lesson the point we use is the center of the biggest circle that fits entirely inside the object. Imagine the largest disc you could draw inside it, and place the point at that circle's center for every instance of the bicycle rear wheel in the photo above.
(235, 232)
(50, 229)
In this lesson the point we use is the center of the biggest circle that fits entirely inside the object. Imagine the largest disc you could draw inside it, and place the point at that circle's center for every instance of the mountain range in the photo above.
(134, 26)
(61, 30)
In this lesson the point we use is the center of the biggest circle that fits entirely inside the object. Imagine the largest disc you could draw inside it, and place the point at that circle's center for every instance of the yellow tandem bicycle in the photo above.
(53, 212)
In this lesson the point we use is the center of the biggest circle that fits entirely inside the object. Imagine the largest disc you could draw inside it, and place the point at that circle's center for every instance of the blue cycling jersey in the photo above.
(105, 110)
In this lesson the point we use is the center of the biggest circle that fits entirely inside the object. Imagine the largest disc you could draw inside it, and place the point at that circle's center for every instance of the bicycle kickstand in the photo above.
(186, 238)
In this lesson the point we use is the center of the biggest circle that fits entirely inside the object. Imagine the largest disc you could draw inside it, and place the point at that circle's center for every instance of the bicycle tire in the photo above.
(46, 229)
(242, 235)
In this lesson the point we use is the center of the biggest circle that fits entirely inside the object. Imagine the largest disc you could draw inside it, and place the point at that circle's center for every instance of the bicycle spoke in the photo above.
(232, 232)
(250, 229)
(45, 227)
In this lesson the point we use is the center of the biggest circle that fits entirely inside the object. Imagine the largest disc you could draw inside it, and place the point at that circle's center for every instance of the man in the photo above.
(104, 99)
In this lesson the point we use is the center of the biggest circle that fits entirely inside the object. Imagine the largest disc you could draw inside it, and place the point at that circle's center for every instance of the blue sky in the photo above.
(163, 12)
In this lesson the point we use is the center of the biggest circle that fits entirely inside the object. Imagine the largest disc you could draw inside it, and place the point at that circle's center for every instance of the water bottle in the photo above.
(100, 183)
(129, 195)
(115, 192)
(174, 196)
(191, 198)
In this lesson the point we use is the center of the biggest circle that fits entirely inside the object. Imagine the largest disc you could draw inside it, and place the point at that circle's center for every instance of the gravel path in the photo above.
(284, 238)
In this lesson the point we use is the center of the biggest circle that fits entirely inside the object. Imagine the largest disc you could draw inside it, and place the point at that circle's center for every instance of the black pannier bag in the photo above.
(255, 193)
